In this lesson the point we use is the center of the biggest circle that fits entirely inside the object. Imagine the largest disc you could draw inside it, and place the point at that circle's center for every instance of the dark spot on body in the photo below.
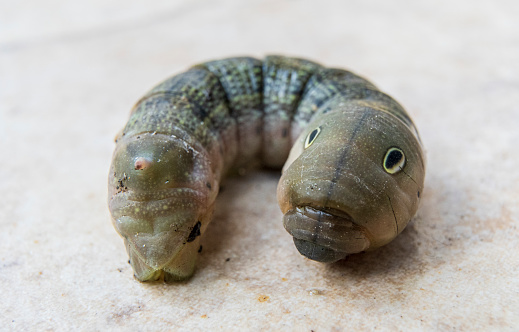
(418, 193)
(195, 232)
(121, 187)
(312, 135)
(284, 133)
(227, 259)
(200, 249)
(208, 95)
(393, 158)
(208, 185)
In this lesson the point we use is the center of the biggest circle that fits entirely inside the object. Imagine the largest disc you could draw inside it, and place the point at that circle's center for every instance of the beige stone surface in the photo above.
(71, 70)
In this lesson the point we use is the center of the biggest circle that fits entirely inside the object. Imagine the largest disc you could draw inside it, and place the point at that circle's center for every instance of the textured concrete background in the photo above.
(70, 72)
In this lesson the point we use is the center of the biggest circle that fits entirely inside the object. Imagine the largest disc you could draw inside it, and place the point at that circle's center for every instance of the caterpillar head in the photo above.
(351, 183)
(161, 194)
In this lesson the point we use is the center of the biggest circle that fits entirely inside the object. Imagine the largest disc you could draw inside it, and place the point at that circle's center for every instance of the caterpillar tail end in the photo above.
(180, 268)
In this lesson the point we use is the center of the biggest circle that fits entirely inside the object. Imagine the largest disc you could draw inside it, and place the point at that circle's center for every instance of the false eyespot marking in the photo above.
(312, 136)
(394, 160)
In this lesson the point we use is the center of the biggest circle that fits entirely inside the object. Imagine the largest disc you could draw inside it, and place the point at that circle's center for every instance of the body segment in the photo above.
(351, 182)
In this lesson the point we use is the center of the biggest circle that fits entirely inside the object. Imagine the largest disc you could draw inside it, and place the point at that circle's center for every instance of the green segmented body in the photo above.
(352, 180)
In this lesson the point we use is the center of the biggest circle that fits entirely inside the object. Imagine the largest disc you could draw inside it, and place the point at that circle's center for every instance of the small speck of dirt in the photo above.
(315, 291)
(263, 298)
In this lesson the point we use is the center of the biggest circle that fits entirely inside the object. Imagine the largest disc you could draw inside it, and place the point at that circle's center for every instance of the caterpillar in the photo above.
(353, 162)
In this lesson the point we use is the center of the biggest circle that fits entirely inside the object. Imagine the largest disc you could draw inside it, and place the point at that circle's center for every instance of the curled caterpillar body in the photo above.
(353, 163)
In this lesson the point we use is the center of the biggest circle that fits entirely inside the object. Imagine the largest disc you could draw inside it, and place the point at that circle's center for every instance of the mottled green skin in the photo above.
(186, 133)
(284, 83)
(242, 81)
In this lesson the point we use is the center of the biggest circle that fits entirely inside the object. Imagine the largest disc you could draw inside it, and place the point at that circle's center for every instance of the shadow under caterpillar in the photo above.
(353, 163)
